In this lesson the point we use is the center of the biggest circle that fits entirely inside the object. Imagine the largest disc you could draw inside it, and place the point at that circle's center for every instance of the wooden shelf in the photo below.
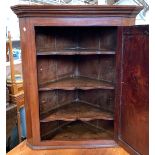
(77, 111)
(80, 131)
(77, 52)
(78, 82)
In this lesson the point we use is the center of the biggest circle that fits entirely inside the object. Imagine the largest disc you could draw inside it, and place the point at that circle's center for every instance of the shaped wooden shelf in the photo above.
(76, 52)
(78, 82)
(77, 111)
(80, 131)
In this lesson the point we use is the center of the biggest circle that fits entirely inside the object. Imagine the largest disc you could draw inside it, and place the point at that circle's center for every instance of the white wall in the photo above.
(140, 19)
(12, 21)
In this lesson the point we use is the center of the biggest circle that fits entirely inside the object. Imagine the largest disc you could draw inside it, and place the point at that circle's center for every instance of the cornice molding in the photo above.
(76, 10)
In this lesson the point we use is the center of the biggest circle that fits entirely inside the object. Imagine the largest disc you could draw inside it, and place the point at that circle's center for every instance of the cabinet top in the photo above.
(76, 10)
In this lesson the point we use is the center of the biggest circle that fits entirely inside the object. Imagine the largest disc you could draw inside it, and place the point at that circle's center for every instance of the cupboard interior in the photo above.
(76, 82)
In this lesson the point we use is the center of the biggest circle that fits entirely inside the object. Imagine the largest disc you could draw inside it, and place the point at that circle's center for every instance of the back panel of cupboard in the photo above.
(76, 80)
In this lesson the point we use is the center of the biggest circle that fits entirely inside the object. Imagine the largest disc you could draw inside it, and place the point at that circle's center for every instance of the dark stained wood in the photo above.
(77, 52)
(102, 99)
(77, 82)
(52, 68)
(63, 70)
(80, 131)
(102, 67)
(77, 110)
(72, 144)
(70, 48)
(76, 10)
(48, 130)
(23, 38)
(118, 83)
(30, 82)
(51, 100)
(134, 129)
(75, 40)
(83, 21)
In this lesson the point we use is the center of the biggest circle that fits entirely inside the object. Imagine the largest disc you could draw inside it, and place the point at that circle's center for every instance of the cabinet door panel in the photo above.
(134, 101)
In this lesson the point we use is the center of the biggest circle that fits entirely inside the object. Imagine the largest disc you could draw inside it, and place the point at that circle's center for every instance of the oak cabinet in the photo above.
(85, 72)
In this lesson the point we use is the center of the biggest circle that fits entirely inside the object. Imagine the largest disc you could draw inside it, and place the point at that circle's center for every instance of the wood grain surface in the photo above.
(78, 110)
(76, 10)
(83, 27)
(135, 89)
(23, 149)
(77, 82)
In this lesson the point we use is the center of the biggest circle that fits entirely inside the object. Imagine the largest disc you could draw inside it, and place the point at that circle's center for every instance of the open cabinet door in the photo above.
(132, 116)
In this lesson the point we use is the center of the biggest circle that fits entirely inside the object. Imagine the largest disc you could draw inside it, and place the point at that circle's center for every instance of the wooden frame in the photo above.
(31, 17)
